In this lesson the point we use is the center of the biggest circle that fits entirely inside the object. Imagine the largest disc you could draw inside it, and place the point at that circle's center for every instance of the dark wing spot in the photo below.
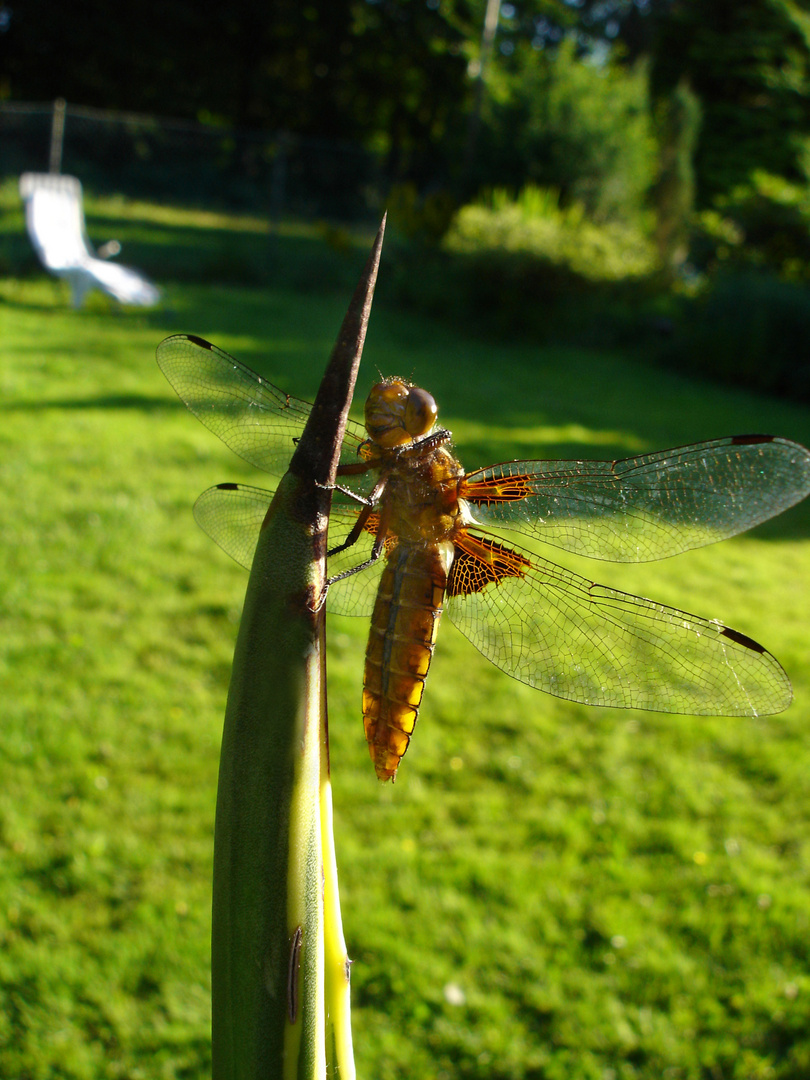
(742, 639)
(748, 440)
(200, 341)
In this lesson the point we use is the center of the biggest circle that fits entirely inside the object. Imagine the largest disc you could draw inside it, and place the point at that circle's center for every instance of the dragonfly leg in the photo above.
(375, 554)
(354, 535)
(364, 500)
(376, 551)
(368, 505)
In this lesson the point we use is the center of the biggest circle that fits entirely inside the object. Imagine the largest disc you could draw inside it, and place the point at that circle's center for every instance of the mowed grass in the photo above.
(548, 891)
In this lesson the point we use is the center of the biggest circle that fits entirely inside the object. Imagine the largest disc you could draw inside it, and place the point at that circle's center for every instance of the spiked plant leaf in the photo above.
(267, 952)
(280, 973)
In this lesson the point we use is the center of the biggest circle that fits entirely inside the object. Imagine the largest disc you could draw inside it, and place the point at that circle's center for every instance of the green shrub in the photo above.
(526, 264)
(584, 128)
(424, 218)
(750, 329)
(535, 227)
(764, 224)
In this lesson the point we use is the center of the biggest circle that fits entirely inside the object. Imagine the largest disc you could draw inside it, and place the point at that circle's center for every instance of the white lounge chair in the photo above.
(55, 218)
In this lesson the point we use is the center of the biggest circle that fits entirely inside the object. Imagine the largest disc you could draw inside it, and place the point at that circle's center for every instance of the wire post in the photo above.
(478, 69)
(57, 135)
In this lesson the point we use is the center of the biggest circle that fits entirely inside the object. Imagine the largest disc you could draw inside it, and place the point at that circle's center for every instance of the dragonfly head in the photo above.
(397, 413)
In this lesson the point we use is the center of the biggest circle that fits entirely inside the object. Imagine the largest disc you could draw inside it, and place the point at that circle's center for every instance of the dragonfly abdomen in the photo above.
(400, 648)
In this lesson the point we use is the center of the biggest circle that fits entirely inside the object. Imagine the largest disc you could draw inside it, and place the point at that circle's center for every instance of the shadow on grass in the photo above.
(313, 260)
(279, 298)
(134, 402)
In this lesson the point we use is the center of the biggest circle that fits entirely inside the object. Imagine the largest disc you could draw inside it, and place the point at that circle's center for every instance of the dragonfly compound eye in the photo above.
(420, 412)
(385, 413)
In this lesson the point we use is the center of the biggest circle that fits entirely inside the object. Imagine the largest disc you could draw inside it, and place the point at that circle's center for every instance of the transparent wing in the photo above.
(575, 639)
(647, 507)
(353, 595)
(232, 515)
(255, 419)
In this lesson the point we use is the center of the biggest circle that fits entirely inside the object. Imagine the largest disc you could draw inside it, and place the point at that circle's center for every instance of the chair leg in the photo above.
(80, 286)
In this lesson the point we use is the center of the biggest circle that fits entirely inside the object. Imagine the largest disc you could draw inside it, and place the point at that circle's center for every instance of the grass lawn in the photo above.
(548, 891)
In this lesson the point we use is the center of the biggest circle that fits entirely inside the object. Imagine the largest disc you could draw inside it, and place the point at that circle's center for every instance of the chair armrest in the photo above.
(108, 250)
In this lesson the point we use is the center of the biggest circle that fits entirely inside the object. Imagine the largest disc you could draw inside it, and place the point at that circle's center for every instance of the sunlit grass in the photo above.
(547, 891)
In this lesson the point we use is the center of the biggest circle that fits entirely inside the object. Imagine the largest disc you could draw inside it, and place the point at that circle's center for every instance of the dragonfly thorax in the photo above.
(421, 496)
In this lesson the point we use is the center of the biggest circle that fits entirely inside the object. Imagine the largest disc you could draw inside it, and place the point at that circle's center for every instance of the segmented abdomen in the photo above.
(400, 647)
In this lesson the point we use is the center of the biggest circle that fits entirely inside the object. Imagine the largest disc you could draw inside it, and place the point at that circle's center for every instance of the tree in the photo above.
(673, 194)
(391, 73)
(748, 61)
(580, 127)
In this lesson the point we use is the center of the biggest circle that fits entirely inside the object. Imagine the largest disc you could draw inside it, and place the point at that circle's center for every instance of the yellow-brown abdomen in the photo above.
(400, 647)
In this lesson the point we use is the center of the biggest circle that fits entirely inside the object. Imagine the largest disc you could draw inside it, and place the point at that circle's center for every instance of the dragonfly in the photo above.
(413, 536)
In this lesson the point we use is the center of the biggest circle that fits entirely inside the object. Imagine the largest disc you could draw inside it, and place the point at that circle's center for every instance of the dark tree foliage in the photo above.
(391, 73)
(673, 193)
(406, 86)
(245, 62)
(748, 62)
(399, 75)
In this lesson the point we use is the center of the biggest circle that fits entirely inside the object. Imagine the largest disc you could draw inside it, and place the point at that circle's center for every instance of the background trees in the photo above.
(639, 111)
